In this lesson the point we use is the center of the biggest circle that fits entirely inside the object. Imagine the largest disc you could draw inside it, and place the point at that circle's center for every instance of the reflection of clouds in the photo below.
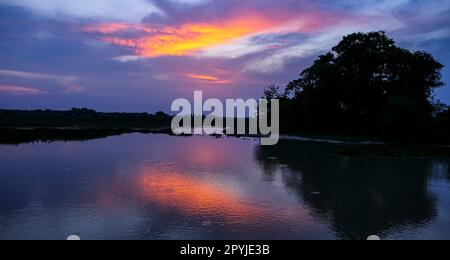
(176, 189)
(151, 188)
(209, 152)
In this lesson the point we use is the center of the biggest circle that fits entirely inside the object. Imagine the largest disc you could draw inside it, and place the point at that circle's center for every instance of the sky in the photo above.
(140, 55)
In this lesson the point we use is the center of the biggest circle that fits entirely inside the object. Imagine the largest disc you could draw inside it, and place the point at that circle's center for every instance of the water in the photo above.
(162, 187)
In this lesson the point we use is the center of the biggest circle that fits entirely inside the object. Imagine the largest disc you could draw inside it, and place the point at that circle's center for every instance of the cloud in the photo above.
(128, 58)
(127, 55)
(229, 37)
(129, 10)
(367, 16)
(69, 83)
(156, 41)
(17, 90)
(206, 78)
(190, 2)
(235, 49)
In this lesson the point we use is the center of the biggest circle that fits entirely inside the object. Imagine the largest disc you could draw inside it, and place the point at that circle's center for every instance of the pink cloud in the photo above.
(69, 83)
(18, 90)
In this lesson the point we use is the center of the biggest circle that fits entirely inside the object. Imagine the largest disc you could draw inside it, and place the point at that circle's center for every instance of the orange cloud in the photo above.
(202, 77)
(194, 37)
(17, 90)
(152, 40)
(185, 39)
(206, 78)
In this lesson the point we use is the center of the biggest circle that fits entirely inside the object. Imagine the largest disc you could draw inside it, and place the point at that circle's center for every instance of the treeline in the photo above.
(82, 118)
(366, 86)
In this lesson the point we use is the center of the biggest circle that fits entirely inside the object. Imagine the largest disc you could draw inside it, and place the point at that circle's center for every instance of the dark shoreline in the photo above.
(16, 136)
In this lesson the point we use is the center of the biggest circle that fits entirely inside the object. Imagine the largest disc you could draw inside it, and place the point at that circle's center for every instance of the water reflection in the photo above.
(164, 187)
(358, 196)
(204, 152)
(173, 188)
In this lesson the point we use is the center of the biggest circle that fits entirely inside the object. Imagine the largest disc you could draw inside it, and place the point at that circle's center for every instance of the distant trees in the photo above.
(80, 111)
(83, 118)
(365, 85)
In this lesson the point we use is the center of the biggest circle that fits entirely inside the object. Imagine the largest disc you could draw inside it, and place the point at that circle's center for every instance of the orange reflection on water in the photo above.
(193, 195)
(205, 153)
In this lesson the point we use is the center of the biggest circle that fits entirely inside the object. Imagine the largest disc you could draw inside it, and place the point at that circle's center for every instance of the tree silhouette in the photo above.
(272, 92)
(366, 85)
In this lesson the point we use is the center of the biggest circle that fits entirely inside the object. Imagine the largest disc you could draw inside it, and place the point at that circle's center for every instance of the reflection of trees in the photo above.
(448, 172)
(359, 196)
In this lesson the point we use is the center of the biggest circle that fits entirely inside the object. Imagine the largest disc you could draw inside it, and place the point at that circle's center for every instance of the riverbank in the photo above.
(343, 147)
(13, 136)
(373, 148)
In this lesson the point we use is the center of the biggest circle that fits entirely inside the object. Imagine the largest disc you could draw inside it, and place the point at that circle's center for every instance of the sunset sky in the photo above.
(140, 55)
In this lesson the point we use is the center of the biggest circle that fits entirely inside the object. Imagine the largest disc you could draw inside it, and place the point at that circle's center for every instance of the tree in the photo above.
(272, 92)
(367, 85)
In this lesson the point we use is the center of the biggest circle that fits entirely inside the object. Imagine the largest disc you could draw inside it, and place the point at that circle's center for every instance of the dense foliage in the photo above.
(366, 86)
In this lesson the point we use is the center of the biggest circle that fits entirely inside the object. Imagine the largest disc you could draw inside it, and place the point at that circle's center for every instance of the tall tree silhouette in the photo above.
(366, 85)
